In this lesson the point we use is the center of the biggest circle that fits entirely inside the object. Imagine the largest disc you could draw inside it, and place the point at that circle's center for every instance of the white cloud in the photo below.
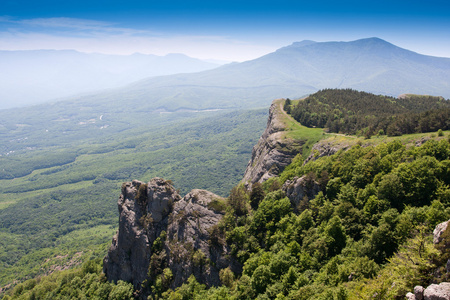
(62, 24)
(66, 23)
(104, 37)
(110, 38)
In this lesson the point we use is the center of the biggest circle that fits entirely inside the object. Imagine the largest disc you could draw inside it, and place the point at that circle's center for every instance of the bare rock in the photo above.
(189, 246)
(160, 198)
(410, 296)
(273, 152)
(324, 148)
(421, 141)
(158, 229)
(129, 255)
(418, 292)
(437, 292)
(438, 231)
(299, 188)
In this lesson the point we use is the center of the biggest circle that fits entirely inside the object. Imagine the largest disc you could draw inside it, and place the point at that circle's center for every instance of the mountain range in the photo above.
(372, 65)
(34, 76)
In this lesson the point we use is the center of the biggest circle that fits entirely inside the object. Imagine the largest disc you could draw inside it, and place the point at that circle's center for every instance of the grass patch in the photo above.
(296, 131)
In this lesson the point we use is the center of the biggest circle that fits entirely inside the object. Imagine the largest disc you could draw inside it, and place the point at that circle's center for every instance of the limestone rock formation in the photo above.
(160, 230)
(437, 291)
(273, 152)
(410, 296)
(439, 230)
(129, 255)
(298, 189)
(418, 292)
(189, 247)
(325, 148)
(432, 292)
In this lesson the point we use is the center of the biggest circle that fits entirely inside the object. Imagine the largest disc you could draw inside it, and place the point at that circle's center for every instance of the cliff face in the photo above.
(158, 229)
(144, 210)
(190, 246)
(273, 152)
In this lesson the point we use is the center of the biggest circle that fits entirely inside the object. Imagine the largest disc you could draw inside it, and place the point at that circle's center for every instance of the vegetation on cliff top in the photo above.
(352, 112)
(365, 235)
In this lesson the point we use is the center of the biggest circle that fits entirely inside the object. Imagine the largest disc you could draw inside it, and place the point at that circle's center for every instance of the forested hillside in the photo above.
(58, 202)
(353, 112)
(362, 231)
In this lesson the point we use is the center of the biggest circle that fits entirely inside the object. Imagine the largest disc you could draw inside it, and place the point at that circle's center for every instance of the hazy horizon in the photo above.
(226, 31)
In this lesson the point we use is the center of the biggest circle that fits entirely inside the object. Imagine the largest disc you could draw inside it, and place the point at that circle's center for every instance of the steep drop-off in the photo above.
(274, 151)
(159, 230)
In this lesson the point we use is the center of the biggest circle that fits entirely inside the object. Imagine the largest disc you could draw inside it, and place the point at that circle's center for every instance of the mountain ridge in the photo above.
(295, 71)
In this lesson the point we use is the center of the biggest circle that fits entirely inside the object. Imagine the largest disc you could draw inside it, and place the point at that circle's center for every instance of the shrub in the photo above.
(238, 200)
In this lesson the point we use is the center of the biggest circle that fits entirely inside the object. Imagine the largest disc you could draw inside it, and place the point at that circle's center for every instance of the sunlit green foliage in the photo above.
(85, 282)
(363, 235)
(352, 112)
(366, 235)
(63, 199)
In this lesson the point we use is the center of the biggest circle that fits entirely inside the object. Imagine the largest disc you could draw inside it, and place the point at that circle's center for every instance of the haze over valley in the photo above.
(36, 76)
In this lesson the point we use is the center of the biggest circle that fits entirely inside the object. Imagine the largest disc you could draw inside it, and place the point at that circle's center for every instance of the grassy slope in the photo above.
(296, 131)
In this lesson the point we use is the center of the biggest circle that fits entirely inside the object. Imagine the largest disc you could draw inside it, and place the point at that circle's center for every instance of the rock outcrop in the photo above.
(189, 246)
(432, 292)
(143, 210)
(418, 292)
(301, 188)
(273, 152)
(160, 230)
(439, 230)
(325, 148)
(437, 292)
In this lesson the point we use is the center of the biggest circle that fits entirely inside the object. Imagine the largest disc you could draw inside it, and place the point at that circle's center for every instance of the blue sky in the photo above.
(223, 30)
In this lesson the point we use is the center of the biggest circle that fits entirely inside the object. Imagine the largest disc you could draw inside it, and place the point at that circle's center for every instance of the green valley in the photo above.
(58, 202)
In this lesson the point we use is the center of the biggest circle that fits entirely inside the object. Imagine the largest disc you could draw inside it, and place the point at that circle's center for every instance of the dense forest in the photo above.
(353, 112)
(366, 233)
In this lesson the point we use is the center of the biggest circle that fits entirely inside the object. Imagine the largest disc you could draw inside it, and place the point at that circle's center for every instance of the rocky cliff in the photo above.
(160, 231)
(144, 210)
(274, 151)
(165, 237)
(162, 235)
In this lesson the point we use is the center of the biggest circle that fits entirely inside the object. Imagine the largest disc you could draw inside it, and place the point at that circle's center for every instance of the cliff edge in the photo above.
(165, 237)
(274, 151)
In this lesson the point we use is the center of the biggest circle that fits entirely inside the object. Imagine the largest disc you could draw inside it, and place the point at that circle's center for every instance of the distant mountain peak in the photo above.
(373, 40)
(303, 43)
